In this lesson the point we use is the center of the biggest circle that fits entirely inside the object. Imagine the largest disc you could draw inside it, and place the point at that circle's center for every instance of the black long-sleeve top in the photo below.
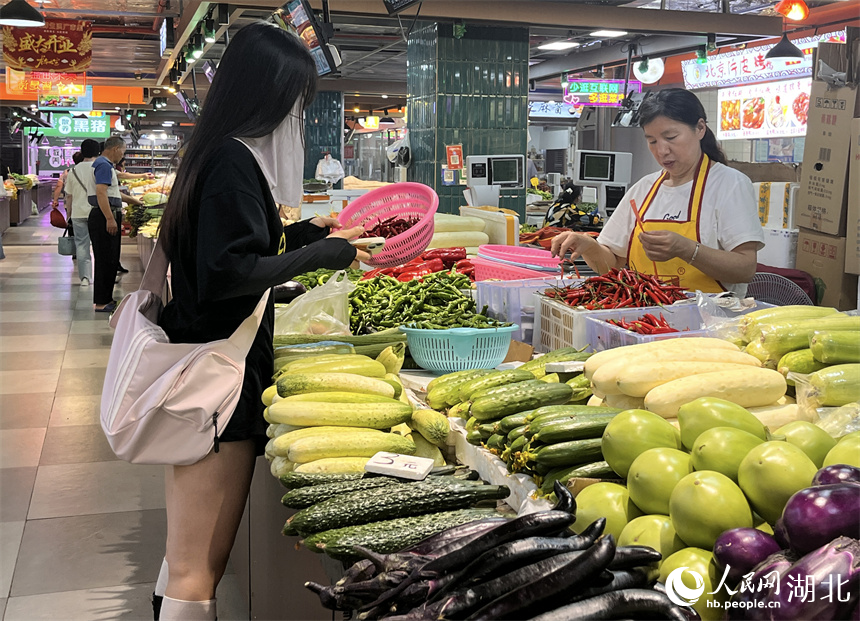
(219, 275)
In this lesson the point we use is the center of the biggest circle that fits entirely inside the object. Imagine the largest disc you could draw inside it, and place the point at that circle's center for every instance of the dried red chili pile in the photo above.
(646, 324)
(392, 226)
(618, 289)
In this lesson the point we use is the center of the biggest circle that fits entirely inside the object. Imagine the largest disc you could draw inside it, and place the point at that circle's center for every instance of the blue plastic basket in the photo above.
(459, 349)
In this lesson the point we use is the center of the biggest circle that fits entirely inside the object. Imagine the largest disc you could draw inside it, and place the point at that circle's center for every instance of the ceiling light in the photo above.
(385, 96)
(356, 109)
(785, 49)
(649, 71)
(557, 46)
(117, 108)
(608, 33)
(198, 46)
(167, 124)
(795, 10)
(209, 31)
(163, 136)
(19, 13)
(171, 88)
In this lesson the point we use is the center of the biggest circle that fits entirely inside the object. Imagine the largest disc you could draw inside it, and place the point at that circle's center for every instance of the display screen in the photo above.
(68, 99)
(302, 22)
(506, 172)
(596, 167)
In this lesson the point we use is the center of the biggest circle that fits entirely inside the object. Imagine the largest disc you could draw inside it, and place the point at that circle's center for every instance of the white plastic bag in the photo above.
(329, 169)
(322, 310)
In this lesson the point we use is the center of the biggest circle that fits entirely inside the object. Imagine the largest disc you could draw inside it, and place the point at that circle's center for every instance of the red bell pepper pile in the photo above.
(391, 227)
(646, 324)
(618, 289)
(430, 262)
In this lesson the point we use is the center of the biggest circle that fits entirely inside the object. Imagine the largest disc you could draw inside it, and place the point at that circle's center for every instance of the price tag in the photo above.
(565, 367)
(397, 465)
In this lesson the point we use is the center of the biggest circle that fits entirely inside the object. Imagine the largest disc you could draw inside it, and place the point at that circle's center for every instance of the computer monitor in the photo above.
(298, 16)
(600, 167)
(505, 171)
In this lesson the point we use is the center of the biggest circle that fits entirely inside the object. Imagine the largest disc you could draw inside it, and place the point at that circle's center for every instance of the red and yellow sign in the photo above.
(60, 46)
(46, 82)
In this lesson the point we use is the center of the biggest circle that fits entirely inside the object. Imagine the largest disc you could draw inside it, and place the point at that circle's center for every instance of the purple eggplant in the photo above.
(456, 535)
(817, 515)
(823, 584)
(837, 473)
(781, 535)
(756, 588)
(742, 549)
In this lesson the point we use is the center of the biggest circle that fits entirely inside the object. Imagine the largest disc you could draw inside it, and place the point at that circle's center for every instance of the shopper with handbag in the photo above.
(227, 247)
(79, 184)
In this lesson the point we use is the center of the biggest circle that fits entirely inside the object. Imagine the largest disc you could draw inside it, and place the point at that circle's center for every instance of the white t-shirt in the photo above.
(80, 204)
(728, 218)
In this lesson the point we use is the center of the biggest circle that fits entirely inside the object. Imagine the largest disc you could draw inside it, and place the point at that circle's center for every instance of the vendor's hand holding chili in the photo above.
(696, 220)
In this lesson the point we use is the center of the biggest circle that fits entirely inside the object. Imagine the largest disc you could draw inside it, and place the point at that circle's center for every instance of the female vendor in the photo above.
(696, 219)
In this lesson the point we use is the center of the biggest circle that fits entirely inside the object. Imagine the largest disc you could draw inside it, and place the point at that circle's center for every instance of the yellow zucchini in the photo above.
(693, 343)
(779, 339)
(595, 401)
(314, 414)
(302, 383)
(624, 402)
(337, 397)
(749, 387)
(751, 323)
(639, 380)
(281, 444)
(269, 394)
(605, 379)
(354, 444)
(423, 448)
(337, 465)
(349, 363)
(775, 416)
(432, 425)
(273, 431)
(280, 466)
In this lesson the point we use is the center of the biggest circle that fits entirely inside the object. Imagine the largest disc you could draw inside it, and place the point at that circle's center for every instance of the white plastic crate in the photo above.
(514, 301)
(602, 335)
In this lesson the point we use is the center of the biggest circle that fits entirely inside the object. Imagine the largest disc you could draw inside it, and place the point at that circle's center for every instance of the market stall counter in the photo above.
(4, 213)
(20, 207)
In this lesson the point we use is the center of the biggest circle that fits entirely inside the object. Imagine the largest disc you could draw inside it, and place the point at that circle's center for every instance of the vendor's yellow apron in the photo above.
(690, 277)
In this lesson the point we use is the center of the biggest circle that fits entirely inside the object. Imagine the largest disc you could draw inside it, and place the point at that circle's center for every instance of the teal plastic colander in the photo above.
(459, 349)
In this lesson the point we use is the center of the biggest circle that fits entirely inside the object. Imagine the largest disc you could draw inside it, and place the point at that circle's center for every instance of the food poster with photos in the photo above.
(771, 110)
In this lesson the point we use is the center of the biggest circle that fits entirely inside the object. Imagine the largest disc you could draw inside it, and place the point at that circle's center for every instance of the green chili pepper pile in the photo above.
(320, 276)
(433, 302)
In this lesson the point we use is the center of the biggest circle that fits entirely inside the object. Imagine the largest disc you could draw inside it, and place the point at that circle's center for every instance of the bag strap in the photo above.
(244, 335)
(75, 173)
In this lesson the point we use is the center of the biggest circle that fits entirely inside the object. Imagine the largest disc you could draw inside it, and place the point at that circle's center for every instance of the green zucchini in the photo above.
(296, 480)
(474, 437)
(487, 428)
(836, 385)
(390, 535)
(528, 397)
(585, 412)
(581, 388)
(496, 378)
(385, 336)
(835, 347)
(595, 470)
(518, 444)
(568, 453)
(496, 442)
(580, 428)
(509, 423)
(538, 369)
(448, 393)
(366, 506)
(799, 361)
(505, 390)
(436, 381)
(519, 432)
(307, 496)
(568, 409)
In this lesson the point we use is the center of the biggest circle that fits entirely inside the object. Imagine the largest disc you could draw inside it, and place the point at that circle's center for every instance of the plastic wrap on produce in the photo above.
(494, 471)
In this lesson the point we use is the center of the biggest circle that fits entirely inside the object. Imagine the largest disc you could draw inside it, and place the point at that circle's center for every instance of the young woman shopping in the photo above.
(227, 246)
(697, 219)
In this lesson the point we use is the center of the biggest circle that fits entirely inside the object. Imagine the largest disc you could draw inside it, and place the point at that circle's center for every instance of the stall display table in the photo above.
(4, 213)
(21, 207)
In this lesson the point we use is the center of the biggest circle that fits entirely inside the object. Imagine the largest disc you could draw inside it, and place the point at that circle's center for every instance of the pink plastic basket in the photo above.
(486, 269)
(519, 254)
(398, 199)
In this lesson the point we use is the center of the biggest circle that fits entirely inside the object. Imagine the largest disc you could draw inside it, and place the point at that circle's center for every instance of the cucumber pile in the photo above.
(381, 514)
(493, 568)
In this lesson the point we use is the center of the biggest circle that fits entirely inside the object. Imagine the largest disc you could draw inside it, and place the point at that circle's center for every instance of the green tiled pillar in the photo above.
(323, 130)
(470, 90)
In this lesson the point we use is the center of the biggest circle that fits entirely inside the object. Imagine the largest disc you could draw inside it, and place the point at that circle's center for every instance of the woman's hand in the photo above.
(324, 221)
(361, 255)
(665, 245)
(347, 234)
(576, 243)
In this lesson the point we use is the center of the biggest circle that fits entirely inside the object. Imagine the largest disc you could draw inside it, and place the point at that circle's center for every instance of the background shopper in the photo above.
(79, 207)
(227, 246)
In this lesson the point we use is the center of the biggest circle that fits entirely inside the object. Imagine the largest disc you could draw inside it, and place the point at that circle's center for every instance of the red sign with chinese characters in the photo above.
(45, 82)
(454, 156)
(60, 46)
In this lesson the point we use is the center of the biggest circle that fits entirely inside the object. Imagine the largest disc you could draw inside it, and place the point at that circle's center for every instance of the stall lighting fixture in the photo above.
(712, 43)
(356, 109)
(387, 120)
(558, 46)
(19, 13)
(385, 96)
(209, 31)
(785, 50)
(171, 89)
(608, 33)
(702, 55)
(795, 10)
(199, 44)
(167, 124)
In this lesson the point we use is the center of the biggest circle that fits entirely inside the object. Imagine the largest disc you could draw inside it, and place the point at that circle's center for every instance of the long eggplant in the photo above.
(396, 561)
(534, 524)
(591, 563)
(454, 535)
(606, 582)
(628, 557)
(465, 601)
(362, 570)
(612, 605)
(566, 501)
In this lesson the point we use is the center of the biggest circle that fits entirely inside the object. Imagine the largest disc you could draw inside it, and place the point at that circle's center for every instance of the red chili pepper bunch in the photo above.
(646, 324)
(618, 289)
(390, 227)
(430, 262)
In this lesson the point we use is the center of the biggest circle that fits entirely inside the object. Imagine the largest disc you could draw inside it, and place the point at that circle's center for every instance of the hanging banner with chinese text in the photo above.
(598, 92)
(750, 65)
(772, 110)
(61, 45)
(94, 124)
(43, 81)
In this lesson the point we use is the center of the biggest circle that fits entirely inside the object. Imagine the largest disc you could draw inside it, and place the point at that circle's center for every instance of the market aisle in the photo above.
(81, 533)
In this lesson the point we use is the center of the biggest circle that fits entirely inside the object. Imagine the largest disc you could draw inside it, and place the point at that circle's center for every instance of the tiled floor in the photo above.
(81, 533)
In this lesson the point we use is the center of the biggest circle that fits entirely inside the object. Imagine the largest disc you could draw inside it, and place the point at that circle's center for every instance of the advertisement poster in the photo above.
(93, 125)
(553, 110)
(61, 45)
(598, 92)
(68, 98)
(43, 81)
(772, 110)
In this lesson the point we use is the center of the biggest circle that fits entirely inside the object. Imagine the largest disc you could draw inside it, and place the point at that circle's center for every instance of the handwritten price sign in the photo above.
(397, 465)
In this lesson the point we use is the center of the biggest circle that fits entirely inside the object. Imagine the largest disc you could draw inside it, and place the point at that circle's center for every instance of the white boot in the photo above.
(180, 610)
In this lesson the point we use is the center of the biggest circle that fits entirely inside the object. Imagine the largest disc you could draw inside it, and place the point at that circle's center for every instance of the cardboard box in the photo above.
(780, 248)
(852, 242)
(769, 171)
(823, 257)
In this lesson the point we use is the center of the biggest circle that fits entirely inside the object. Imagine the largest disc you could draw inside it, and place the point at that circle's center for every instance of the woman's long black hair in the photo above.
(262, 74)
(682, 106)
